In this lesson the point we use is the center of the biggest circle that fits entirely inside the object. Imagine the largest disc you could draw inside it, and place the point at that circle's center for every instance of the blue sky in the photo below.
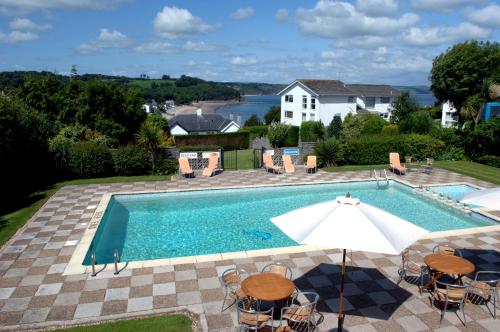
(359, 41)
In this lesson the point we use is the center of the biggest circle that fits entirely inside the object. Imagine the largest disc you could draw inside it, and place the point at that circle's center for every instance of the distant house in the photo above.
(315, 100)
(153, 106)
(448, 115)
(199, 123)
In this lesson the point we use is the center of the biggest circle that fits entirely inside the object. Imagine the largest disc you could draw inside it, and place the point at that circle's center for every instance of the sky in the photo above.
(358, 41)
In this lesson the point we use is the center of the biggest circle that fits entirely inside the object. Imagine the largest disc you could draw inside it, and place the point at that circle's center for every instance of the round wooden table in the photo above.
(440, 264)
(268, 287)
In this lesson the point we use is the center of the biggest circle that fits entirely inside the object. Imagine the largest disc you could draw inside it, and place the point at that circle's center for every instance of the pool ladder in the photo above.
(380, 178)
(116, 260)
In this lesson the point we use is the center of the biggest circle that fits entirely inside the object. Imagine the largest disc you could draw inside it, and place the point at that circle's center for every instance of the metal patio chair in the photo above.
(300, 316)
(450, 295)
(484, 289)
(411, 269)
(231, 279)
(279, 268)
(254, 320)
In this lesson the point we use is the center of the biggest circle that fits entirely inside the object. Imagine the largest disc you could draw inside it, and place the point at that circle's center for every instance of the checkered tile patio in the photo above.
(35, 294)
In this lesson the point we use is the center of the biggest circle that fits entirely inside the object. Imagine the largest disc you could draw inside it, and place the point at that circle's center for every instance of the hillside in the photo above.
(255, 88)
(415, 89)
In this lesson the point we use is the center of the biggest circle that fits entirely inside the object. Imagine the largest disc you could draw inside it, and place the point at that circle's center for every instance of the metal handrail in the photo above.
(94, 260)
(116, 258)
(376, 177)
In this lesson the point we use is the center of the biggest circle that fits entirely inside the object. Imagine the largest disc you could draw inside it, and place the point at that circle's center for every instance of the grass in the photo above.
(245, 159)
(11, 222)
(173, 323)
(472, 169)
(353, 168)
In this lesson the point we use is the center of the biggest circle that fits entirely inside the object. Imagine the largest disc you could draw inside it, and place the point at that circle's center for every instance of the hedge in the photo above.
(89, 160)
(189, 148)
(131, 160)
(489, 160)
(292, 138)
(255, 131)
(309, 131)
(375, 149)
(228, 141)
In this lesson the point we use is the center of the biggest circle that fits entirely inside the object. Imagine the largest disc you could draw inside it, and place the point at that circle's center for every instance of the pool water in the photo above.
(165, 225)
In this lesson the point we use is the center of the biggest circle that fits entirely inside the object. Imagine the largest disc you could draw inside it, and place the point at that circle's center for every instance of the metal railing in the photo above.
(380, 177)
(116, 260)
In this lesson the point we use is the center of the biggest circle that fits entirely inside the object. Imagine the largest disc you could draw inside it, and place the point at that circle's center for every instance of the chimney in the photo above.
(199, 112)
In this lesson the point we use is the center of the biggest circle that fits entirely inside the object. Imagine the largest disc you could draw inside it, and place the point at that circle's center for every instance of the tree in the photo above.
(335, 127)
(273, 114)
(253, 120)
(165, 77)
(465, 70)
(402, 107)
(74, 71)
(470, 108)
(419, 122)
(372, 125)
(277, 134)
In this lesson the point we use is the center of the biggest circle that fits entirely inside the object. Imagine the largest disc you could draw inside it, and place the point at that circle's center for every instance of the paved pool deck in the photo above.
(35, 294)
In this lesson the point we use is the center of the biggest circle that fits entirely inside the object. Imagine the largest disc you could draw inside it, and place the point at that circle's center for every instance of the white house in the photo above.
(315, 100)
(199, 123)
(448, 115)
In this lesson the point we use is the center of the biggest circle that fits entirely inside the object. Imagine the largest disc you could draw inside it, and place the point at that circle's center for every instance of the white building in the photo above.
(315, 100)
(199, 123)
(448, 115)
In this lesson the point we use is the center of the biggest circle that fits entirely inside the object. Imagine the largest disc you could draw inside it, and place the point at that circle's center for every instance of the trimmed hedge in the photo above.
(199, 148)
(292, 138)
(228, 141)
(369, 150)
(255, 131)
(90, 160)
(490, 161)
(131, 160)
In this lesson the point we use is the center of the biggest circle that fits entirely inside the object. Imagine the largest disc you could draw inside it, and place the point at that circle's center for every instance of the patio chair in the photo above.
(213, 165)
(279, 268)
(255, 320)
(288, 164)
(411, 269)
(450, 295)
(269, 165)
(184, 168)
(231, 279)
(484, 289)
(428, 165)
(300, 317)
(311, 164)
(395, 164)
(445, 249)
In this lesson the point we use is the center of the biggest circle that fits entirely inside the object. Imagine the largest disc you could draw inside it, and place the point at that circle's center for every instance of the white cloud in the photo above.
(27, 24)
(488, 16)
(199, 46)
(404, 63)
(17, 36)
(156, 47)
(333, 54)
(173, 22)
(378, 8)
(281, 15)
(26, 6)
(237, 60)
(333, 19)
(106, 39)
(191, 63)
(381, 51)
(444, 35)
(243, 13)
(441, 5)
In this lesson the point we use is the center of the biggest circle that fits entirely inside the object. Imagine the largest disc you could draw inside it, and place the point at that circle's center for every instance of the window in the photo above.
(311, 117)
(313, 103)
(304, 102)
(369, 102)
(385, 100)
(289, 98)
(289, 114)
(303, 116)
(350, 99)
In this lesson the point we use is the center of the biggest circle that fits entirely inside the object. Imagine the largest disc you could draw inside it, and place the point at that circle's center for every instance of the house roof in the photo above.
(327, 87)
(374, 90)
(200, 123)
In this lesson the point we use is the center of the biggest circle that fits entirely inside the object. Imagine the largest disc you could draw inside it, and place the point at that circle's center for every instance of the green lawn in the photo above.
(11, 222)
(245, 159)
(174, 323)
(472, 169)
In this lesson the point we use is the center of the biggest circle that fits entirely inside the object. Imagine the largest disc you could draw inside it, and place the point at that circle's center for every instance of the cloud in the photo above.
(173, 22)
(335, 19)
(106, 39)
(243, 13)
(156, 47)
(27, 24)
(333, 54)
(17, 36)
(488, 16)
(199, 46)
(378, 8)
(443, 35)
(237, 60)
(15, 7)
(281, 15)
(441, 5)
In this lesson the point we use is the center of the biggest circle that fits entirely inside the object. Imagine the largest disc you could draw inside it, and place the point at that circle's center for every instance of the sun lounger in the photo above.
(269, 165)
(213, 166)
(395, 164)
(184, 168)
(287, 162)
(311, 165)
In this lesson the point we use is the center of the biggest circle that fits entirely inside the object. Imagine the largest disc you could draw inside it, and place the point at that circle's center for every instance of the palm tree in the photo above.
(152, 138)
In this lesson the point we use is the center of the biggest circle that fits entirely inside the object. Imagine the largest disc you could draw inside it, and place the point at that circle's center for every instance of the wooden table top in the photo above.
(449, 264)
(268, 286)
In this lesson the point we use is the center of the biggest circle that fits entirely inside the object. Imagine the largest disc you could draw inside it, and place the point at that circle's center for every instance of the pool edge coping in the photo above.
(75, 265)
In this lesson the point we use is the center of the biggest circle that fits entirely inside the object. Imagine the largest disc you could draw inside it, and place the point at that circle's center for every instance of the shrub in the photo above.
(449, 136)
(272, 115)
(419, 123)
(131, 160)
(199, 148)
(489, 160)
(375, 149)
(484, 140)
(253, 120)
(372, 125)
(451, 152)
(292, 138)
(89, 159)
(228, 141)
(390, 130)
(329, 152)
(277, 134)
(311, 131)
(335, 127)
(255, 131)
(166, 166)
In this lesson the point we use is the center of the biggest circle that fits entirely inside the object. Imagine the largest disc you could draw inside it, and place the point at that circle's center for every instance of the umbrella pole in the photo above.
(341, 300)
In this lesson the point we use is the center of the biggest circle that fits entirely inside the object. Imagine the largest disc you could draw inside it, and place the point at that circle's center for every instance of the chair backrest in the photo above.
(311, 162)
(452, 292)
(394, 159)
(232, 278)
(254, 319)
(430, 161)
(446, 250)
(213, 161)
(287, 162)
(279, 268)
(492, 278)
(305, 310)
(268, 161)
(184, 165)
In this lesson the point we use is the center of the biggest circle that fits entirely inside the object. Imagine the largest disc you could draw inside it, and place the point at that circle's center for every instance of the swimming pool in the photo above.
(166, 225)
(456, 191)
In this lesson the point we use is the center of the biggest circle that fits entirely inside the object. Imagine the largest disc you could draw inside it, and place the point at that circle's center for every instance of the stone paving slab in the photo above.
(34, 293)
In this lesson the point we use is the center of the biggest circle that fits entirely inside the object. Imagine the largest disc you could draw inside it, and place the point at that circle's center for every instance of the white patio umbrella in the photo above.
(488, 198)
(349, 224)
